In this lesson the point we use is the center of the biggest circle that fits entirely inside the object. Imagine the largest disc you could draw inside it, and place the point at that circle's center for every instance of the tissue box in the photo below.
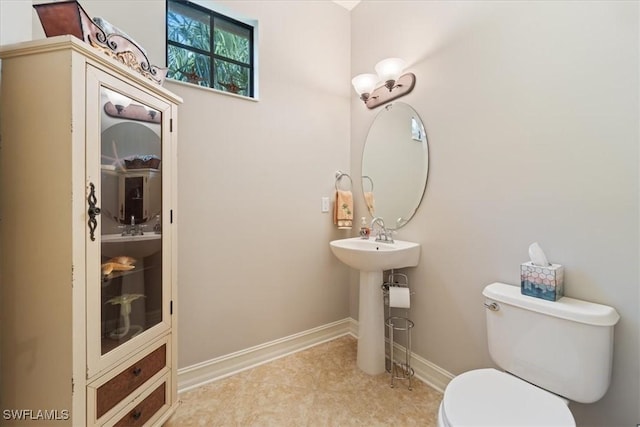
(542, 282)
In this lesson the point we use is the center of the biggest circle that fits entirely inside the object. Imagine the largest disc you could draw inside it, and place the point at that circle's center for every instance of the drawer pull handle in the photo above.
(137, 371)
(136, 414)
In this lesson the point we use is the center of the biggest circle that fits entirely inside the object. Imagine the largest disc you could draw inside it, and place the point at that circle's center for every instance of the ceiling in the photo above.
(347, 4)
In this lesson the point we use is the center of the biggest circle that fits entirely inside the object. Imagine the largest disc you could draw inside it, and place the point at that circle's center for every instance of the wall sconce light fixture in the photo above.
(119, 101)
(137, 112)
(151, 112)
(120, 106)
(394, 83)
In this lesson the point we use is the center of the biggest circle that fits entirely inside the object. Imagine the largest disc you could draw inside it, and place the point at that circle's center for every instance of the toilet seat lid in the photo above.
(488, 397)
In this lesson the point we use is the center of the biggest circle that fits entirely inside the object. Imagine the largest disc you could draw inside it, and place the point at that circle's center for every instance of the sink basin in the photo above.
(139, 246)
(372, 258)
(119, 238)
(369, 255)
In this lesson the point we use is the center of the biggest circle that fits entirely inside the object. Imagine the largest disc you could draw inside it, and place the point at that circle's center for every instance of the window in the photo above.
(209, 49)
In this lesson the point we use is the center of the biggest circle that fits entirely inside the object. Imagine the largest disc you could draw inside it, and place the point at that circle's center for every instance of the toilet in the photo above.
(549, 353)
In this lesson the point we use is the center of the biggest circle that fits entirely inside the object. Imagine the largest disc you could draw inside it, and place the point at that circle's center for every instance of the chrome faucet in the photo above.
(383, 234)
(133, 229)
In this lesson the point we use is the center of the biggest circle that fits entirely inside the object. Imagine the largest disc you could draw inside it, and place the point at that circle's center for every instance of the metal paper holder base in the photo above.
(400, 370)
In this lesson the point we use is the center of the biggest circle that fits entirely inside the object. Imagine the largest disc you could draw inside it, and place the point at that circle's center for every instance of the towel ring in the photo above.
(370, 180)
(341, 175)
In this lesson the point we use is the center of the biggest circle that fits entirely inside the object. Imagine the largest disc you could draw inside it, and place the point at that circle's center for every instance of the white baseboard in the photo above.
(426, 371)
(224, 366)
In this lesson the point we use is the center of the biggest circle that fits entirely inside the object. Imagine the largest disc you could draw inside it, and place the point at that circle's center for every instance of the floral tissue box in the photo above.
(546, 282)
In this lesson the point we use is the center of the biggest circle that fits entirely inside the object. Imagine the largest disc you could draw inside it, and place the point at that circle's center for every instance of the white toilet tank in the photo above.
(564, 346)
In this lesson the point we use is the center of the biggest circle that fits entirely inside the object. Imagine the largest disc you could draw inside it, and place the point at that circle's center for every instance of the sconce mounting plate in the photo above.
(381, 95)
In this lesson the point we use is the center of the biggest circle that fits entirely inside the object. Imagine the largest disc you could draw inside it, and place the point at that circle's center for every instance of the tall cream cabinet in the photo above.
(88, 239)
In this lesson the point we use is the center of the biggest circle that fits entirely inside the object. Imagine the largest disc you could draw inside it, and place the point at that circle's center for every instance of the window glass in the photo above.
(232, 41)
(231, 77)
(188, 26)
(188, 66)
(209, 49)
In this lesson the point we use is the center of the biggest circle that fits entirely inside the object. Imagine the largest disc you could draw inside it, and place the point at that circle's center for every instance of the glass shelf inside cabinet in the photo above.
(131, 219)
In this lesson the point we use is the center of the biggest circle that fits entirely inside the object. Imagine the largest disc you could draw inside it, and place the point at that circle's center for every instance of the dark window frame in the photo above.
(211, 55)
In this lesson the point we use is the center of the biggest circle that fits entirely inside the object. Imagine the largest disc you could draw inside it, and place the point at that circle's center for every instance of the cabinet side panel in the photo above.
(36, 233)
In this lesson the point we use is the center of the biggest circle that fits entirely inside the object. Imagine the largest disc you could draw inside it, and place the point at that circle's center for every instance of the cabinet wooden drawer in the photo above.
(119, 387)
(145, 409)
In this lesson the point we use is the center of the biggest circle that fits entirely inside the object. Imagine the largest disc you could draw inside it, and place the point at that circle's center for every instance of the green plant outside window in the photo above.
(208, 49)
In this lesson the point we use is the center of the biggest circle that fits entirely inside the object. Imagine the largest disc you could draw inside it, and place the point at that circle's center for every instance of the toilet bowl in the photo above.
(491, 398)
(546, 349)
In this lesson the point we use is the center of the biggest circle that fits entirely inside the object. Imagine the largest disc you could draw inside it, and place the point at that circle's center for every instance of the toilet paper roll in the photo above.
(399, 297)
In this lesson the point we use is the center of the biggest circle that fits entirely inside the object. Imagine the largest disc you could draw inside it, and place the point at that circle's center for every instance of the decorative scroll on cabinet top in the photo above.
(68, 17)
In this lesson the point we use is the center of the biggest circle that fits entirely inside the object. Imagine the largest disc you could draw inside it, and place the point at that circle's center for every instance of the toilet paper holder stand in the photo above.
(399, 370)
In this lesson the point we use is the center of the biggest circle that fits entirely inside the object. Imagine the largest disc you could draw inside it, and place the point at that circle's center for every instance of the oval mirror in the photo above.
(395, 163)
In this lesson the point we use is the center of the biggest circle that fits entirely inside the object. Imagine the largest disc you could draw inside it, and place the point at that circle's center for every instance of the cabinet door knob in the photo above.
(136, 414)
(137, 371)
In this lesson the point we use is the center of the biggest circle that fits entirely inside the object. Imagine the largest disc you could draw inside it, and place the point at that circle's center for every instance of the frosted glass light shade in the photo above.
(118, 99)
(364, 83)
(390, 69)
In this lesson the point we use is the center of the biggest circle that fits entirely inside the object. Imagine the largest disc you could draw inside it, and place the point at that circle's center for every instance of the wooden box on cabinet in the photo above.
(88, 293)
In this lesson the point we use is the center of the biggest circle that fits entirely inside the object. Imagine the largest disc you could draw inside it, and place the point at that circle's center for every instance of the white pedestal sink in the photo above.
(139, 246)
(372, 258)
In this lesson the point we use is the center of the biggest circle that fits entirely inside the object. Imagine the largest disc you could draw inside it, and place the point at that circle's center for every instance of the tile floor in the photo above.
(320, 386)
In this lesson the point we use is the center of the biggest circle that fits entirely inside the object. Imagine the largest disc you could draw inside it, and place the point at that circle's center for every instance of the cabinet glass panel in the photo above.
(131, 224)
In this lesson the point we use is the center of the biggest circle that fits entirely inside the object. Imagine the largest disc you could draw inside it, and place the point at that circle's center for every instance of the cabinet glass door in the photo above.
(131, 218)
(129, 243)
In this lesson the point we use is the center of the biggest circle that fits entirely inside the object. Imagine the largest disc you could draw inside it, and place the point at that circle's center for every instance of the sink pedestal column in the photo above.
(371, 358)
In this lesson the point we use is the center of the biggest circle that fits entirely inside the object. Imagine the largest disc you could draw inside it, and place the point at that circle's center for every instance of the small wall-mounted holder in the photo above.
(339, 175)
(383, 95)
(546, 282)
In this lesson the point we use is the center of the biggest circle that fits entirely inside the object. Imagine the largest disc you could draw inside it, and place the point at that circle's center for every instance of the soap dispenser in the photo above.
(365, 231)
(157, 228)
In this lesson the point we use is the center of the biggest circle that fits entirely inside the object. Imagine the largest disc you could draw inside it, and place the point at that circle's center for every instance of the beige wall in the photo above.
(255, 263)
(531, 111)
(254, 259)
(15, 21)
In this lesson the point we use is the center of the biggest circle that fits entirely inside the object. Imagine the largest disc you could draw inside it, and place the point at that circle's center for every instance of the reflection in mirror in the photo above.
(395, 165)
(131, 204)
(131, 161)
(131, 112)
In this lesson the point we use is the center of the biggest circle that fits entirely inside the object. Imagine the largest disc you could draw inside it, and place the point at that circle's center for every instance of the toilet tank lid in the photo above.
(565, 308)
